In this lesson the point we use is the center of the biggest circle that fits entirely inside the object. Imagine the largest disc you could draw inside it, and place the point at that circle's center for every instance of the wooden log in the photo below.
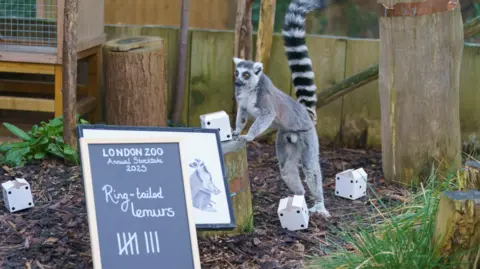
(265, 32)
(235, 155)
(69, 72)
(347, 85)
(457, 227)
(419, 79)
(134, 78)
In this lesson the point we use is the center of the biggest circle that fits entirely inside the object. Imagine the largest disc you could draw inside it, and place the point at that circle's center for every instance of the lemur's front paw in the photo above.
(245, 137)
(235, 134)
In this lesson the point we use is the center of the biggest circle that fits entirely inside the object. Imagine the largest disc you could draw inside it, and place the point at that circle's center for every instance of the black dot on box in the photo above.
(281, 214)
(360, 187)
(356, 181)
(351, 181)
(337, 192)
(228, 136)
(9, 192)
(302, 225)
(338, 178)
(13, 208)
(298, 211)
(350, 196)
(208, 123)
(29, 203)
(364, 192)
(26, 187)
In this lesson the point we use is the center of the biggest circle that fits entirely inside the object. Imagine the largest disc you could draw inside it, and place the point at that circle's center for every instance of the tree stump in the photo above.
(236, 165)
(471, 176)
(457, 229)
(134, 78)
(419, 78)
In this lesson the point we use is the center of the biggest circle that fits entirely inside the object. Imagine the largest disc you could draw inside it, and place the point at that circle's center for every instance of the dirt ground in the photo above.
(54, 234)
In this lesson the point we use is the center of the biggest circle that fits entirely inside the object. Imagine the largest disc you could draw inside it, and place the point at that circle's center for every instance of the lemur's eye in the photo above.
(246, 75)
(236, 73)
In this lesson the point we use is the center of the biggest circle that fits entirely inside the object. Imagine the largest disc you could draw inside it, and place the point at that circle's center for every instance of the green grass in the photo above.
(401, 239)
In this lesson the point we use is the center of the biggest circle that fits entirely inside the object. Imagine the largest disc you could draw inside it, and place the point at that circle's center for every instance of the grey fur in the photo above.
(297, 140)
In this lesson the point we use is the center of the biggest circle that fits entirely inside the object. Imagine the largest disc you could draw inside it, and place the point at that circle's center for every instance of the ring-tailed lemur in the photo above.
(297, 52)
(296, 137)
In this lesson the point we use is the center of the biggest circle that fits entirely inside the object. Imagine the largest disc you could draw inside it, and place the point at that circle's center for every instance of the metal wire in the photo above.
(28, 25)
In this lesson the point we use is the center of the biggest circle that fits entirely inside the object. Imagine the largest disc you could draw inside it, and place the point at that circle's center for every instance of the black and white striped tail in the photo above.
(297, 53)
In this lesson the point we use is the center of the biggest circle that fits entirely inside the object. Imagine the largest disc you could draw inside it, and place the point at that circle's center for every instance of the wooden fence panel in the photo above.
(328, 60)
(211, 85)
(278, 70)
(470, 92)
(361, 107)
(207, 14)
(356, 116)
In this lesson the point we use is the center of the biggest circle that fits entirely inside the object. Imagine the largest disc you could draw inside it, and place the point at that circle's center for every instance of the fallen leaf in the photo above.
(50, 240)
(12, 224)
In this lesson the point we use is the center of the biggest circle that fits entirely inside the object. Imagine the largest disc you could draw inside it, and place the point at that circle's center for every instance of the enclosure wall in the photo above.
(353, 120)
(90, 27)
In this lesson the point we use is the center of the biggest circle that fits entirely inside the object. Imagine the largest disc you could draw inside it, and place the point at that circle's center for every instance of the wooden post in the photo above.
(242, 47)
(457, 227)
(421, 46)
(243, 30)
(181, 68)
(235, 155)
(134, 78)
(69, 76)
(265, 32)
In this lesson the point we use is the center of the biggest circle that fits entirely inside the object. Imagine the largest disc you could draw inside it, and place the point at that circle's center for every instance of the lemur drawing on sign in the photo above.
(202, 187)
(294, 121)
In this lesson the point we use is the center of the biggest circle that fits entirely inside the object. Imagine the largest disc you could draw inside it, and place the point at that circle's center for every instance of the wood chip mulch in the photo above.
(54, 234)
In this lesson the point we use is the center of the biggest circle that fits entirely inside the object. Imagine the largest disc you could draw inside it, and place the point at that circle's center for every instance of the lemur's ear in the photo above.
(257, 67)
(237, 60)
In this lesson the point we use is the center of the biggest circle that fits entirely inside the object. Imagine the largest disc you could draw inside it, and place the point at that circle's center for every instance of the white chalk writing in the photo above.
(124, 198)
(127, 243)
(149, 244)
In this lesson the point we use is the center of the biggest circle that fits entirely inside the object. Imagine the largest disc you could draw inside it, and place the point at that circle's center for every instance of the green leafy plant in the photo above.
(40, 141)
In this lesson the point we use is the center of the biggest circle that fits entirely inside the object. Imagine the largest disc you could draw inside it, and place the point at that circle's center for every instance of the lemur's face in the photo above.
(247, 74)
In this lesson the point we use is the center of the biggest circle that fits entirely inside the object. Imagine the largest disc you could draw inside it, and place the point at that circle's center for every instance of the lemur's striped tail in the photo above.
(297, 53)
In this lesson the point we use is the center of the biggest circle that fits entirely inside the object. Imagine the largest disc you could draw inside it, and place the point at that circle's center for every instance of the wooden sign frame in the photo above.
(90, 199)
(177, 132)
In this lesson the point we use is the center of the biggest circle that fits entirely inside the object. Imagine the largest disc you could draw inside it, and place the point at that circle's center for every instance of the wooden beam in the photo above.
(27, 68)
(265, 32)
(23, 86)
(181, 67)
(472, 27)
(86, 104)
(457, 231)
(27, 104)
(69, 81)
(347, 85)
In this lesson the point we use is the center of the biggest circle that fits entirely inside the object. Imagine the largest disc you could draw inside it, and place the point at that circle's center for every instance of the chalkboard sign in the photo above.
(138, 203)
(212, 205)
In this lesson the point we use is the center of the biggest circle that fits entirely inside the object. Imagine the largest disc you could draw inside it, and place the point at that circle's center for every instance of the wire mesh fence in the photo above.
(28, 25)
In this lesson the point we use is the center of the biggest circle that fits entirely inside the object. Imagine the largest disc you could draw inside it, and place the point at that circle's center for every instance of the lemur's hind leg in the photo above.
(312, 170)
(288, 155)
